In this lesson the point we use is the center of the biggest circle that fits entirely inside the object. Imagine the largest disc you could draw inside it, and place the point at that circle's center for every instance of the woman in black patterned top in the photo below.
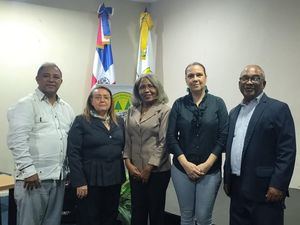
(196, 136)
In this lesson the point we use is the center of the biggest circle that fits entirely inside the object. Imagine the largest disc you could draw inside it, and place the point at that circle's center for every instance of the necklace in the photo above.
(144, 109)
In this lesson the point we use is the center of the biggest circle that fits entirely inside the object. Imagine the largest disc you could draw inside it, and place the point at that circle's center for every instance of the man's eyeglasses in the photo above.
(253, 79)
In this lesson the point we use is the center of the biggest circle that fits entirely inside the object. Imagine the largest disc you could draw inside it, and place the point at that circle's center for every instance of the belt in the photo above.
(51, 181)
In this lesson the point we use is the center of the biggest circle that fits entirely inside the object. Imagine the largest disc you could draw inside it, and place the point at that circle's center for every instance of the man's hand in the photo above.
(226, 189)
(274, 195)
(82, 191)
(32, 182)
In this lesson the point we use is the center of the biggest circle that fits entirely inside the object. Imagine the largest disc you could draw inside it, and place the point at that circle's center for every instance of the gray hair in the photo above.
(161, 95)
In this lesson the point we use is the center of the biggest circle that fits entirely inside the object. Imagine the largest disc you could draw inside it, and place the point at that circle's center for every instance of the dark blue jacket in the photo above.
(269, 151)
(95, 153)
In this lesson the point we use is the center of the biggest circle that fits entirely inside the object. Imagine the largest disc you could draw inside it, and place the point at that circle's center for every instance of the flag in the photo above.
(103, 68)
(145, 54)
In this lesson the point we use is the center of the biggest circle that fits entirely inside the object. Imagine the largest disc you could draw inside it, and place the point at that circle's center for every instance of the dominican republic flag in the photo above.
(145, 55)
(103, 68)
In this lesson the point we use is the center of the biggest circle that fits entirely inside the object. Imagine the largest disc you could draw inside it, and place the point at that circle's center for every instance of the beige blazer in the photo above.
(145, 138)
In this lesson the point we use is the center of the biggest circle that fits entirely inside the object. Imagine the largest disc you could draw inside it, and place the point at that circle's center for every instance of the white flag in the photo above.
(145, 63)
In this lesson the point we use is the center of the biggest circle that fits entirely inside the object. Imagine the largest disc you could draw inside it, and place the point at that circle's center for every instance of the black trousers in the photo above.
(100, 207)
(148, 199)
(246, 212)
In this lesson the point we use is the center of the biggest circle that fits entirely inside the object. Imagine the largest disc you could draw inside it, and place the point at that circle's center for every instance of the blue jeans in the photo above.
(196, 198)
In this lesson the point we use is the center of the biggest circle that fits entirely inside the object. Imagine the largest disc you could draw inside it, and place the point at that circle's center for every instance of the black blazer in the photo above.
(269, 151)
(95, 153)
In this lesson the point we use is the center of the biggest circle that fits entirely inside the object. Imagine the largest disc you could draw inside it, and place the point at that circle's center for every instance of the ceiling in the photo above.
(78, 5)
(144, 1)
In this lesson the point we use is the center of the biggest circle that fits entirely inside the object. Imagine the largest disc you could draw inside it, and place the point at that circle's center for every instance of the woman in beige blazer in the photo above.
(145, 154)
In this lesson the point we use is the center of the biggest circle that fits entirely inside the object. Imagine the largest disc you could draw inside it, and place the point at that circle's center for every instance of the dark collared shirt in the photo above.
(199, 131)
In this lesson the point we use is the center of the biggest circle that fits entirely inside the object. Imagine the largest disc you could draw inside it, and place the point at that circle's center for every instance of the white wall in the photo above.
(226, 36)
(63, 32)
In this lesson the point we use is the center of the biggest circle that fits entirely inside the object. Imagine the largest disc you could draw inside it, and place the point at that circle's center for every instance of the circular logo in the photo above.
(103, 80)
(122, 102)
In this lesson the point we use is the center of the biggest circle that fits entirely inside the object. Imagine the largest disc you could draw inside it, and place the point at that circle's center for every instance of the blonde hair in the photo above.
(89, 107)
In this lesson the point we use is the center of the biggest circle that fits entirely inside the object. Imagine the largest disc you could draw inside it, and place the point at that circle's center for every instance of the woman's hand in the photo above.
(205, 167)
(132, 169)
(192, 171)
(146, 172)
(82, 191)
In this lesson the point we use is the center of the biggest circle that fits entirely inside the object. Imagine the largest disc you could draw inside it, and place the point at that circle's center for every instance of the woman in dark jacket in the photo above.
(95, 146)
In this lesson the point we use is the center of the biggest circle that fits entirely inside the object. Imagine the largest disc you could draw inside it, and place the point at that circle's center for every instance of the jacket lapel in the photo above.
(113, 126)
(152, 111)
(135, 113)
(97, 124)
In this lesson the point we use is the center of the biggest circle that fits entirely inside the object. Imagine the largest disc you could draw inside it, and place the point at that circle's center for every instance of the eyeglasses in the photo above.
(253, 79)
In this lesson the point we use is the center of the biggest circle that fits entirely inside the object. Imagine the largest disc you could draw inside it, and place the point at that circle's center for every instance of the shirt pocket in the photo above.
(41, 122)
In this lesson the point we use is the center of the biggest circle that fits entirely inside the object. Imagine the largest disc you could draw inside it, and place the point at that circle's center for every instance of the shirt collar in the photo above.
(190, 97)
(43, 97)
(255, 100)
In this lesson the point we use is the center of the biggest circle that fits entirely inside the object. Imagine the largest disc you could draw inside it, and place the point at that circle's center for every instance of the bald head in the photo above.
(48, 65)
(49, 79)
(252, 82)
(253, 69)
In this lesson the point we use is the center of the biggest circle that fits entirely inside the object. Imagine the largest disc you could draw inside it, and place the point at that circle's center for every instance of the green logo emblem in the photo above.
(122, 101)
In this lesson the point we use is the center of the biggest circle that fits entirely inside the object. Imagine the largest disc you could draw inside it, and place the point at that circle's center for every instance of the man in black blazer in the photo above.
(260, 154)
